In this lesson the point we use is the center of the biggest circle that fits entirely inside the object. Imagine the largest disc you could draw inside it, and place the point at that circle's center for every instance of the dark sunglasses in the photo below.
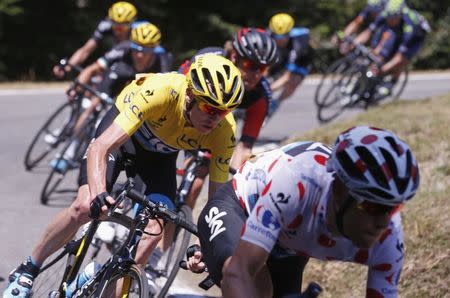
(374, 209)
(249, 65)
(210, 110)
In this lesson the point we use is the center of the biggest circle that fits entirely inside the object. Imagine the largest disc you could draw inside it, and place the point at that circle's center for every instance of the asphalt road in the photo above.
(23, 218)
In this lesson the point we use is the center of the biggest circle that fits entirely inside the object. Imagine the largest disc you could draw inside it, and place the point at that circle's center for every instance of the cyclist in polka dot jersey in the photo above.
(306, 200)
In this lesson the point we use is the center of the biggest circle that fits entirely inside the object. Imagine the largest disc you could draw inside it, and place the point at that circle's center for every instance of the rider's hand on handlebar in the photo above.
(195, 259)
(60, 71)
(375, 69)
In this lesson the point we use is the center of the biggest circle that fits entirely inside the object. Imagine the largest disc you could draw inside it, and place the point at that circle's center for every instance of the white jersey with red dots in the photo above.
(285, 192)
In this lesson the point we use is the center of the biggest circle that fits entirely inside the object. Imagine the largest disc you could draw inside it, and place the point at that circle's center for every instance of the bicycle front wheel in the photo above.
(68, 160)
(340, 95)
(55, 131)
(130, 283)
(330, 80)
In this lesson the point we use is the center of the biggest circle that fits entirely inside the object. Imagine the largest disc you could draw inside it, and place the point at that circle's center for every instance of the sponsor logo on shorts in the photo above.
(214, 222)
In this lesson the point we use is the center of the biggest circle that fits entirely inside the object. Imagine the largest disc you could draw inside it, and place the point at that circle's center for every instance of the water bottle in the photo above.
(88, 272)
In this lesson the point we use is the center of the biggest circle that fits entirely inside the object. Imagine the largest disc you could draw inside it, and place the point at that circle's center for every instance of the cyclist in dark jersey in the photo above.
(141, 53)
(398, 34)
(117, 25)
(367, 15)
(252, 50)
(295, 57)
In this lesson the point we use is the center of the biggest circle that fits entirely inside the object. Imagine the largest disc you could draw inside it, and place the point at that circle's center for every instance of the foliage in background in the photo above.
(34, 37)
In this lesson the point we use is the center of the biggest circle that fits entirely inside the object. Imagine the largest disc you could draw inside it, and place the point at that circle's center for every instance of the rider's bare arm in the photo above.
(281, 81)
(353, 26)
(84, 52)
(97, 154)
(246, 273)
(398, 62)
(90, 71)
(363, 37)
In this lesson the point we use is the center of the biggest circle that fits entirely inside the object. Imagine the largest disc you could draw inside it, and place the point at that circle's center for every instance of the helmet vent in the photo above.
(196, 81)
(395, 146)
(380, 193)
(227, 71)
(372, 166)
(349, 166)
(209, 82)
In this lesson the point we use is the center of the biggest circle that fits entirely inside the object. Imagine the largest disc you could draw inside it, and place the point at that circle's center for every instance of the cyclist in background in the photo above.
(252, 50)
(399, 33)
(295, 56)
(154, 117)
(306, 200)
(117, 24)
(140, 53)
(367, 15)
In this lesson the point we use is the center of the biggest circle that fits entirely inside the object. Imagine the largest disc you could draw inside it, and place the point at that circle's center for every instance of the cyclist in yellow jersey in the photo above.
(155, 116)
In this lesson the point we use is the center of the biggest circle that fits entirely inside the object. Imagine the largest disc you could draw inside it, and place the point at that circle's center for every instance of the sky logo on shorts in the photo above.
(266, 218)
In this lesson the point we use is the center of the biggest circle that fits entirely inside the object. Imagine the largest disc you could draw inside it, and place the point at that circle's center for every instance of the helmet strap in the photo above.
(189, 103)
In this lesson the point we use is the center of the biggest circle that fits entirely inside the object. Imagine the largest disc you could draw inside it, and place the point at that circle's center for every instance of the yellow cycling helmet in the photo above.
(281, 23)
(122, 12)
(145, 34)
(216, 81)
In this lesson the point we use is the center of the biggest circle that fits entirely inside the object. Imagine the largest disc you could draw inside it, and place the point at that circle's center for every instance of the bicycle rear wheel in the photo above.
(131, 282)
(169, 265)
(55, 131)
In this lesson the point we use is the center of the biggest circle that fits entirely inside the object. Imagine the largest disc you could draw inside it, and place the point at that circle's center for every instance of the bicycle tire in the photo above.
(137, 289)
(49, 279)
(55, 177)
(177, 249)
(336, 68)
(32, 159)
(403, 80)
(333, 106)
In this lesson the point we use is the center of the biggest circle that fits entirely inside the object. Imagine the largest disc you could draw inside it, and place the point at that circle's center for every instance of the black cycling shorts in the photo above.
(219, 227)
(156, 170)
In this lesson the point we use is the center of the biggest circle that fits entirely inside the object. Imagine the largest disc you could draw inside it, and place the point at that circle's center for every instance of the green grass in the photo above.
(425, 126)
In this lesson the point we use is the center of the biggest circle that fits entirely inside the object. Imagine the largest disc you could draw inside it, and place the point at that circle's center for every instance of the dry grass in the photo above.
(425, 126)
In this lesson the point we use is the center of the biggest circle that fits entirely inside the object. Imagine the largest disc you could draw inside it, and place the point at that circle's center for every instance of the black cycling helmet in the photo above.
(255, 44)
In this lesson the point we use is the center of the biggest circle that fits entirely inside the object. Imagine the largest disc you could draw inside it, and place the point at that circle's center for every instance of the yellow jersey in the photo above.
(151, 110)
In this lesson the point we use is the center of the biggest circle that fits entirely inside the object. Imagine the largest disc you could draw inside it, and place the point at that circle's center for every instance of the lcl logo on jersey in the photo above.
(214, 222)
(222, 163)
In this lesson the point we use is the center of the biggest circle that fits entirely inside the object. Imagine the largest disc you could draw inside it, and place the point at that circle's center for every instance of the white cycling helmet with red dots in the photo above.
(375, 165)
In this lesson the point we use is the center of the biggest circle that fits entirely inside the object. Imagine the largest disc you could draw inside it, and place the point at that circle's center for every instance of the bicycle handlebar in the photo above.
(162, 211)
(361, 49)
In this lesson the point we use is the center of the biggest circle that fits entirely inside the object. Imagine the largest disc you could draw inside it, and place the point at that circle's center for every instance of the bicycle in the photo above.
(52, 134)
(75, 146)
(349, 83)
(120, 265)
(167, 268)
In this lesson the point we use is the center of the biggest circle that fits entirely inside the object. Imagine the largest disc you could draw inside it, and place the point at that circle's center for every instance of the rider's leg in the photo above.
(95, 101)
(219, 241)
(158, 171)
(64, 226)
